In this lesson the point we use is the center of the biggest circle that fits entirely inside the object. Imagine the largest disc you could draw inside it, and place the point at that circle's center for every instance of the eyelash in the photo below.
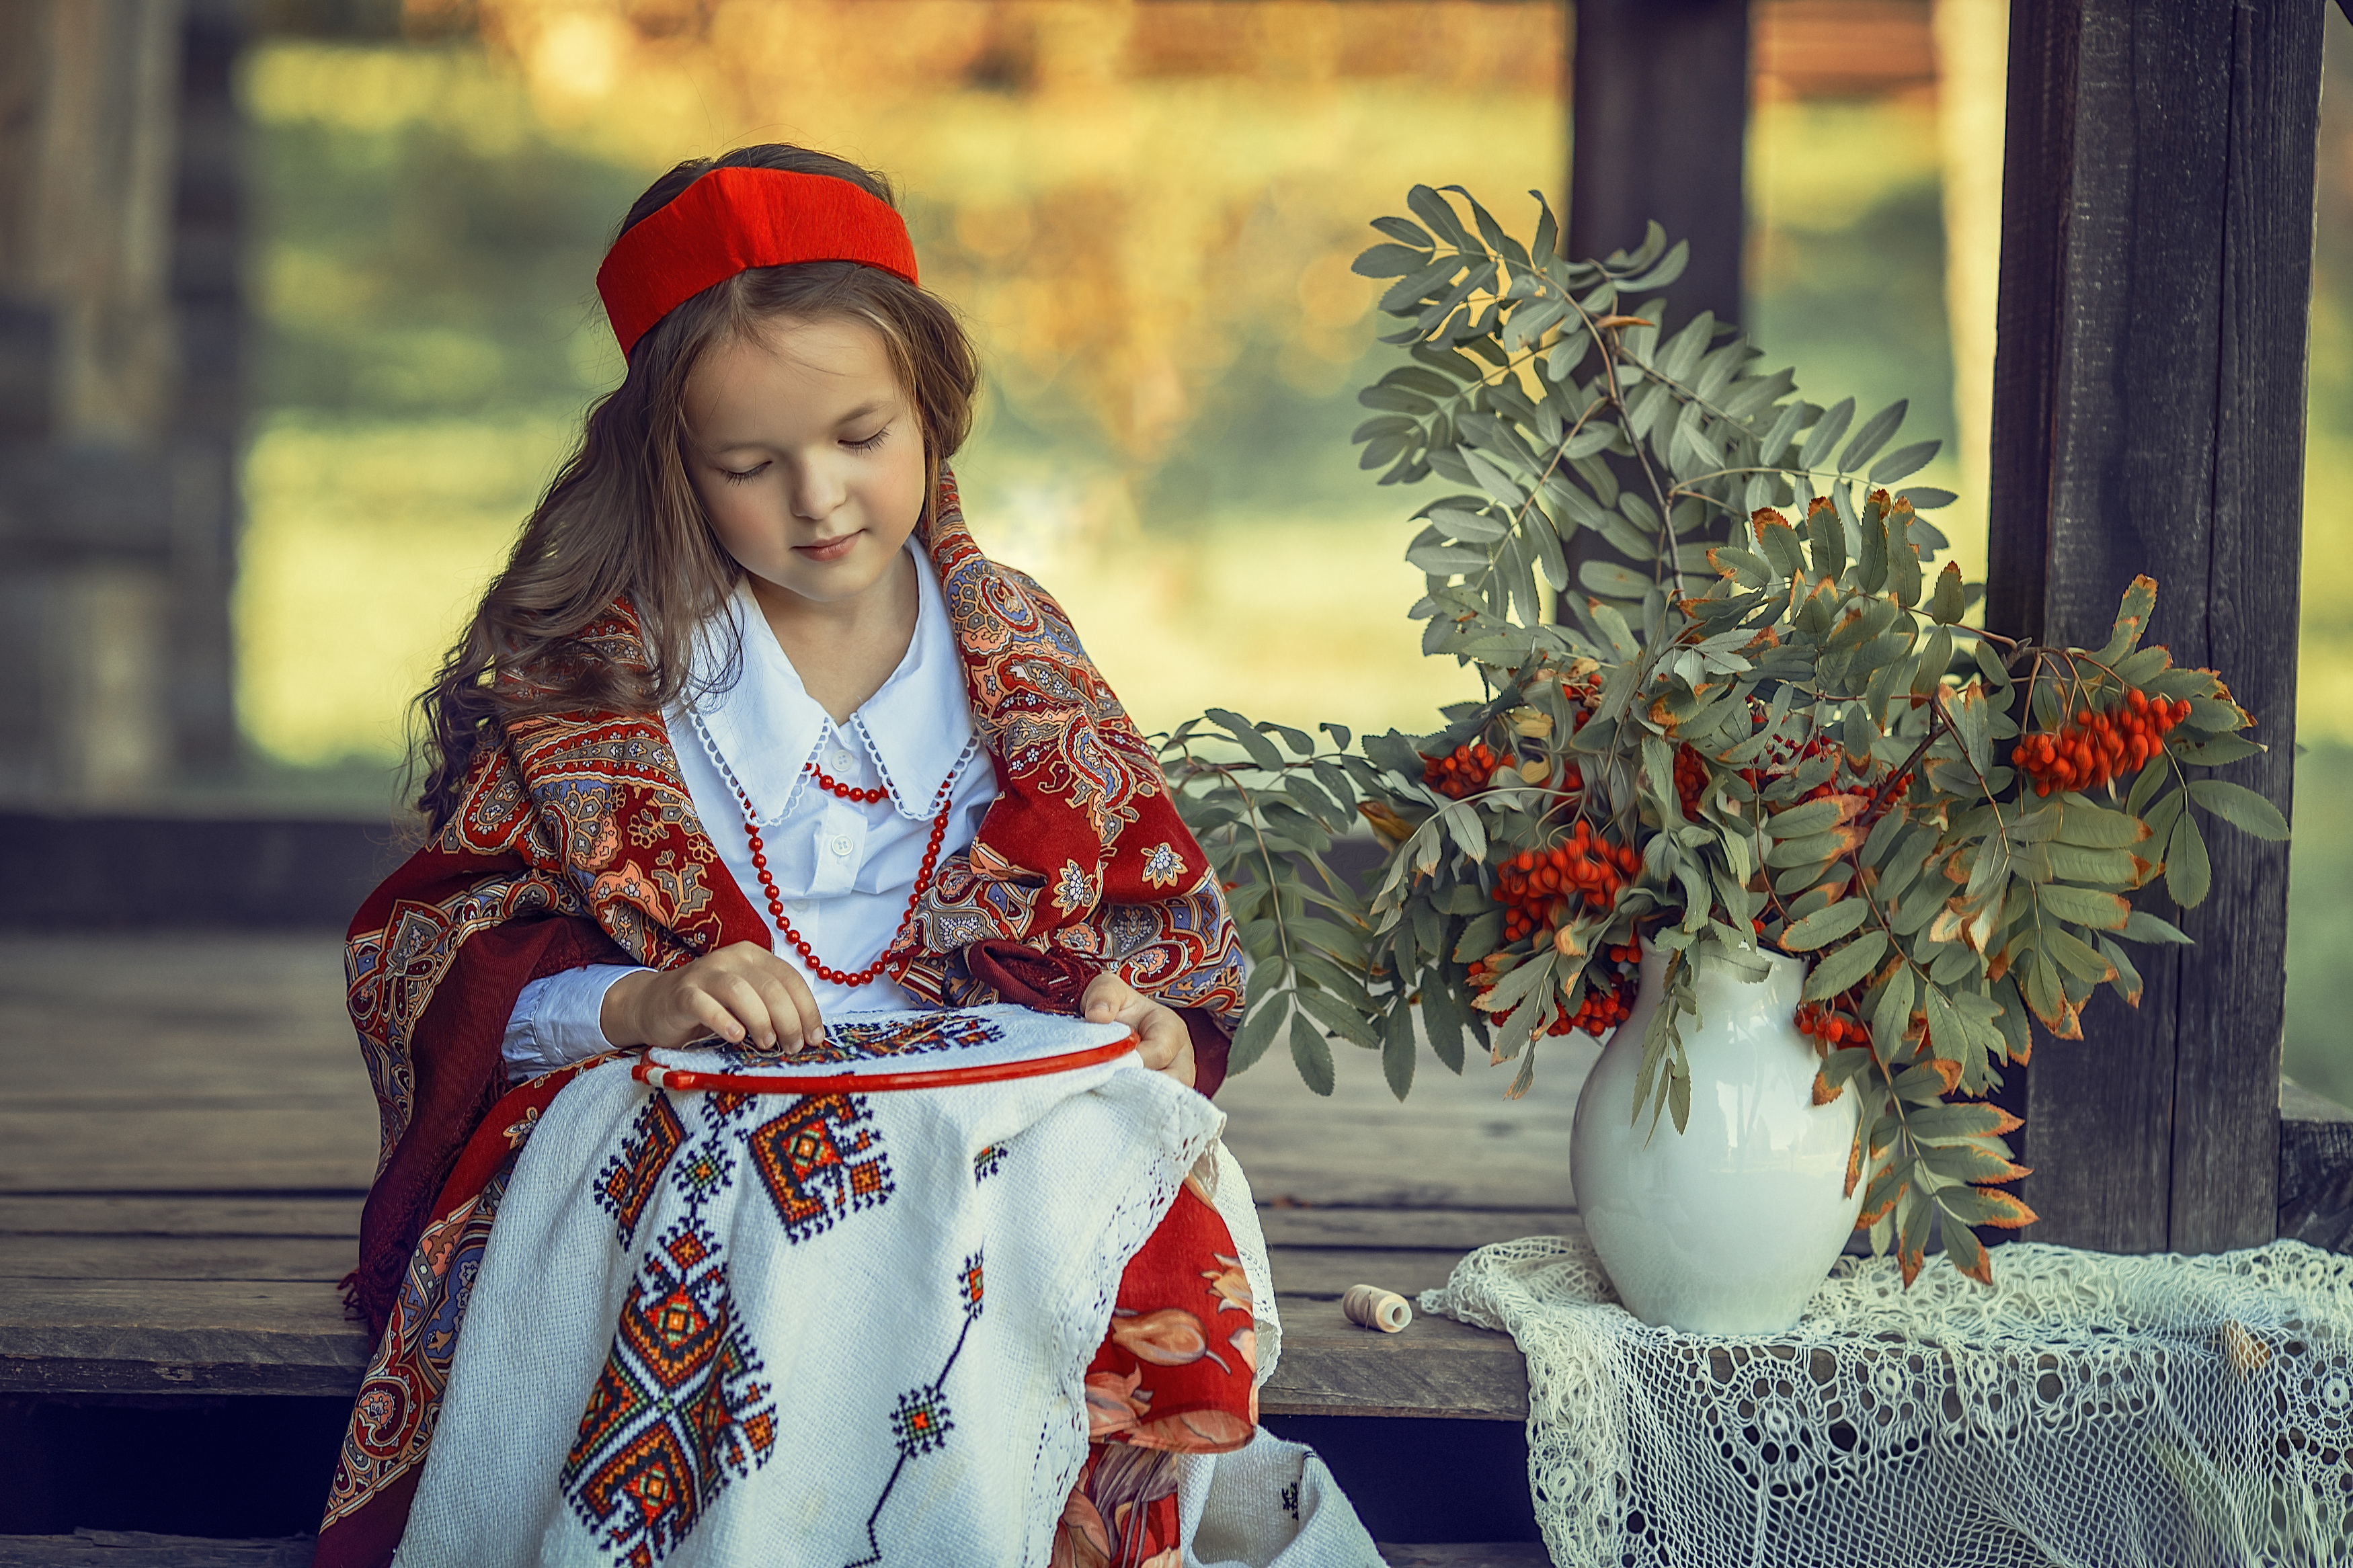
(748, 475)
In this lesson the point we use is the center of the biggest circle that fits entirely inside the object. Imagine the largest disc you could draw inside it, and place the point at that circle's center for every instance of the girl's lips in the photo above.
(826, 550)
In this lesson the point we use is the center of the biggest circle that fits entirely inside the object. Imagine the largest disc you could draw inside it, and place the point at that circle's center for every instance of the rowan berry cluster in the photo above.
(1530, 883)
(2097, 747)
(1465, 770)
(1833, 1028)
(1691, 779)
(1612, 980)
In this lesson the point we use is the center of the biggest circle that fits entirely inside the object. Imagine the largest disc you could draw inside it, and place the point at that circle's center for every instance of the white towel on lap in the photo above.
(779, 1329)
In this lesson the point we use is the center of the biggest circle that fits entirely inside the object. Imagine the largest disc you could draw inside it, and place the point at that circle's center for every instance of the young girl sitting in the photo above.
(750, 747)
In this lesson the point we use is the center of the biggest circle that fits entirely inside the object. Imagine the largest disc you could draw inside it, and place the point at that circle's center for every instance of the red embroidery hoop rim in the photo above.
(654, 1075)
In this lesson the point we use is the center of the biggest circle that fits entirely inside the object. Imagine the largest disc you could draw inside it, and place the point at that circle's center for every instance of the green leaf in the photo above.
(1397, 1049)
(1938, 1123)
(1261, 750)
(1441, 1020)
(1840, 969)
(1390, 261)
(2081, 822)
(2101, 911)
(1873, 436)
(1826, 433)
(2144, 927)
(1825, 926)
(1903, 462)
(1257, 1029)
(1947, 605)
(2189, 874)
(2240, 807)
(1339, 1018)
(1312, 1054)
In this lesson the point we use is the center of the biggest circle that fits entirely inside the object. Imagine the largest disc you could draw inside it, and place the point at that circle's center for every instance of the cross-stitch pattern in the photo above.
(819, 1160)
(878, 1041)
(627, 1183)
(921, 1423)
(678, 1410)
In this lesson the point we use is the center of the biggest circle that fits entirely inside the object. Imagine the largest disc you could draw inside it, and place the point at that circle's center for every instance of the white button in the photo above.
(840, 759)
(841, 844)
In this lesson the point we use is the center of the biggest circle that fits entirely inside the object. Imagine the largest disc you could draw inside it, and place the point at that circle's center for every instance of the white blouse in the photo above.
(844, 868)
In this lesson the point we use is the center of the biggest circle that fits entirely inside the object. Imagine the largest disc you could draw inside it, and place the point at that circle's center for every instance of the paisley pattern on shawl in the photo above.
(1083, 851)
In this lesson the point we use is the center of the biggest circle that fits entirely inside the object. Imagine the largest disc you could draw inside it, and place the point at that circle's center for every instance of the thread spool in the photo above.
(1371, 1307)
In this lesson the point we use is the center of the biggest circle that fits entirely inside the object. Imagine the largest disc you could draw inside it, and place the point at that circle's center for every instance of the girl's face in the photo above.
(809, 458)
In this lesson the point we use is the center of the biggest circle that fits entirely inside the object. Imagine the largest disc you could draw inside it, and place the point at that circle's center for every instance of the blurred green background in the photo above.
(1146, 213)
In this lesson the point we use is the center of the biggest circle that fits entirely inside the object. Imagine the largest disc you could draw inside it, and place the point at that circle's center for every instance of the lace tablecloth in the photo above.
(2087, 1409)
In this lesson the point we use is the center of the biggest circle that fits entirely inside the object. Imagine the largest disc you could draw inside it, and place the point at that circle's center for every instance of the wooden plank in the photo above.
(2315, 1169)
(334, 1214)
(1328, 1272)
(1435, 1368)
(248, 1149)
(2157, 214)
(1459, 1229)
(195, 1336)
(195, 1061)
(138, 1549)
(169, 1257)
(1453, 1142)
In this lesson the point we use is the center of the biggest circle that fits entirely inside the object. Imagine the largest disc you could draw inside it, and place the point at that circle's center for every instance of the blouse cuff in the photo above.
(557, 1020)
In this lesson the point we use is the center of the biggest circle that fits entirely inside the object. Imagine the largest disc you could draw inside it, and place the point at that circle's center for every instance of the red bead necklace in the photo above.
(775, 900)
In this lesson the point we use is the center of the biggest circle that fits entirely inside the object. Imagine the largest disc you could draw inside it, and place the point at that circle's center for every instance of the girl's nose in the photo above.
(817, 492)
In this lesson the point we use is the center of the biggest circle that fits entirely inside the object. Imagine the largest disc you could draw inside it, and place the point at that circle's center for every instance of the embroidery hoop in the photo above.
(687, 1080)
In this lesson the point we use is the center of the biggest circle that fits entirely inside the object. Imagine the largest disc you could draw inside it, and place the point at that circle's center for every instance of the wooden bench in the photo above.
(187, 1138)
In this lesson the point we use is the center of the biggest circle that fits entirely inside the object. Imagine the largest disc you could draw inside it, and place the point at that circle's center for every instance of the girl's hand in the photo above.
(1166, 1045)
(741, 992)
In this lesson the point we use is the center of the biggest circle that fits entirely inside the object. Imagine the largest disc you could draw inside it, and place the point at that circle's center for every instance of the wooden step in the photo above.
(138, 1295)
(137, 1549)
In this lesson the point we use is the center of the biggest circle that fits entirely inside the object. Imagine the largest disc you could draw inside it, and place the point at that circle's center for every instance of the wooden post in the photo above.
(119, 423)
(1659, 122)
(2148, 416)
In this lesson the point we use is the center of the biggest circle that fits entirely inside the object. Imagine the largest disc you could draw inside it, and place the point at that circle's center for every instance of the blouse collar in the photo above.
(767, 727)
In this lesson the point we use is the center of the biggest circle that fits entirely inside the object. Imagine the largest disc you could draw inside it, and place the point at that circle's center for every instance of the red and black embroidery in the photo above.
(627, 1183)
(819, 1160)
(679, 1409)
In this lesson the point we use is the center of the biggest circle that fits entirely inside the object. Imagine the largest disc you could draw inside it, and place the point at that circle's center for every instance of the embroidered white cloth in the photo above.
(828, 1330)
(2150, 1412)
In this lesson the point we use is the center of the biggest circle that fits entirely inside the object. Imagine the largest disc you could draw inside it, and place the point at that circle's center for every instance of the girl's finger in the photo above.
(703, 1008)
(1161, 1036)
(741, 998)
(804, 1002)
(782, 1010)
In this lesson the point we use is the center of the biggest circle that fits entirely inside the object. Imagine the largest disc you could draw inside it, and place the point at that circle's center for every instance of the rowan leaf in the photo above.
(1825, 926)
(1312, 1054)
(1839, 971)
(2189, 874)
(2240, 807)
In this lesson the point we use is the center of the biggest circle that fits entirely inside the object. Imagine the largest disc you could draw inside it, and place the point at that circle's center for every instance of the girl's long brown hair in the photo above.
(622, 517)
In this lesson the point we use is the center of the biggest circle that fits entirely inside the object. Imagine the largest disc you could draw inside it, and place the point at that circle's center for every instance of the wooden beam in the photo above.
(1659, 120)
(2150, 385)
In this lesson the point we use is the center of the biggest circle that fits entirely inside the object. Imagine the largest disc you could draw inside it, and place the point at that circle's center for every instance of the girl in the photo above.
(749, 736)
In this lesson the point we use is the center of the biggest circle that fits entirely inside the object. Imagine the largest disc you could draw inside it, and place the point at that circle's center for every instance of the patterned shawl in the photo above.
(1082, 856)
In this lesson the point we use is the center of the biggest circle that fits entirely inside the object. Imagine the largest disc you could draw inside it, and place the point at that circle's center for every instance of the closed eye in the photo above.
(870, 442)
(734, 477)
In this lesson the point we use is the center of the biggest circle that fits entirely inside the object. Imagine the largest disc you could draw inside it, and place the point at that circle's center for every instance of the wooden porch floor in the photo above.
(185, 1137)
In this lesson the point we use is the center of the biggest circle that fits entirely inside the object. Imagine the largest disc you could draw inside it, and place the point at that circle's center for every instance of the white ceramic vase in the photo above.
(1727, 1226)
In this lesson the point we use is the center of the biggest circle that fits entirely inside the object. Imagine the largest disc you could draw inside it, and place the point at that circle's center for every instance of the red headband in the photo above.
(733, 219)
